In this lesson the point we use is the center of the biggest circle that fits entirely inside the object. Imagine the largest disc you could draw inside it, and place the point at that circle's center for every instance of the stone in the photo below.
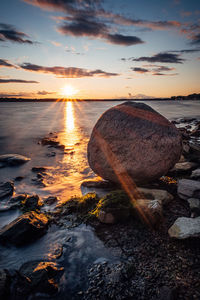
(149, 211)
(50, 200)
(188, 189)
(13, 159)
(184, 228)
(195, 174)
(162, 196)
(39, 169)
(100, 187)
(4, 284)
(25, 228)
(194, 206)
(183, 168)
(32, 202)
(131, 142)
(6, 189)
(43, 277)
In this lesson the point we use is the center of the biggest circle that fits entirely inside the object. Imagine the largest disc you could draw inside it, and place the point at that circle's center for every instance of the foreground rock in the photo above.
(6, 189)
(4, 284)
(131, 142)
(185, 228)
(162, 196)
(39, 277)
(13, 159)
(188, 189)
(25, 228)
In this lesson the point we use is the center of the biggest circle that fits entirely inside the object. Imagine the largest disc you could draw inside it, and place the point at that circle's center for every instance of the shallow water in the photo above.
(22, 126)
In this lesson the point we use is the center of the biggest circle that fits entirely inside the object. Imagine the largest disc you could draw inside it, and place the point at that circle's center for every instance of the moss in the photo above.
(80, 205)
(114, 200)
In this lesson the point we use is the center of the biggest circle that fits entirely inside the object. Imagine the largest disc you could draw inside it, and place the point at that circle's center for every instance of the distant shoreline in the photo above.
(90, 100)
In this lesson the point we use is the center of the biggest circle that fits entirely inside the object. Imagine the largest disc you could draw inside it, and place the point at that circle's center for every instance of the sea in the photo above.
(23, 125)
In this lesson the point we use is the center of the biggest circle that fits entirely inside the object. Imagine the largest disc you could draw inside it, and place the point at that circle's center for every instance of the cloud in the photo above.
(43, 93)
(56, 44)
(17, 81)
(6, 63)
(9, 33)
(162, 57)
(195, 39)
(154, 70)
(186, 50)
(70, 72)
(140, 70)
(91, 28)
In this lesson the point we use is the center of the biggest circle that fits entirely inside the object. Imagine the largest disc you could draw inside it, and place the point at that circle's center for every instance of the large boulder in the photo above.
(6, 189)
(188, 189)
(25, 228)
(132, 142)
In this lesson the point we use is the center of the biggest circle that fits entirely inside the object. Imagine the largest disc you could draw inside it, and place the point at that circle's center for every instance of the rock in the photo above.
(131, 142)
(43, 277)
(161, 196)
(13, 159)
(185, 228)
(150, 211)
(114, 207)
(25, 228)
(182, 168)
(100, 187)
(6, 189)
(18, 198)
(32, 202)
(188, 189)
(194, 206)
(39, 169)
(50, 200)
(195, 174)
(19, 178)
(4, 285)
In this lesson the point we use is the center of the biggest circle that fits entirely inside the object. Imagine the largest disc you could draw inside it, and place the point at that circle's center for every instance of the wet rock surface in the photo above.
(37, 277)
(6, 189)
(185, 228)
(25, 228)
(13, 159)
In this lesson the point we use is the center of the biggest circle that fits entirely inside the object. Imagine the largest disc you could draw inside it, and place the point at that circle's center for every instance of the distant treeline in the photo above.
(189, 97)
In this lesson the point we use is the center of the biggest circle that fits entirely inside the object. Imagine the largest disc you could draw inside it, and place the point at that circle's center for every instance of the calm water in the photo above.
(22, 126)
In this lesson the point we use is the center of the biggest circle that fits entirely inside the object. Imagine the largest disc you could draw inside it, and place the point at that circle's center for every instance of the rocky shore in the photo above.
(158, 259)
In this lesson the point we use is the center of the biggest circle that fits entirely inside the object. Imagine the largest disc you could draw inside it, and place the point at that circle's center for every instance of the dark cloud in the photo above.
(163, 74)
(6, 63)
(43, 93)
(17, 81)
(163, 57)
(186, 50)
(140, 70)
(70, 72)
(195, 39)
(9, 33)
(126, 40)
(86, 19)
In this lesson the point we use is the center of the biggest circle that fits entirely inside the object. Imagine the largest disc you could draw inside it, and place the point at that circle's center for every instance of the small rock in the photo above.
(160, 195)
(19, 178)
(13, 159)
(51, 154)
(188, 189)
(194, 206)
(50, 200)
(182, 168)
(32, 202)
(43, 277)
(39, 169)
(185, 228)
(195, 174)
(25, 228)
(6, 189)
(150, 211)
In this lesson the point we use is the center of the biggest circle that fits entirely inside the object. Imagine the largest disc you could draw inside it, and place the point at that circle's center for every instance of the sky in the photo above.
(99, 49)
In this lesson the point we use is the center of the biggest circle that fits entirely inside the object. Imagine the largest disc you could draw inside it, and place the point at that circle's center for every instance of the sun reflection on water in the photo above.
(69, 116)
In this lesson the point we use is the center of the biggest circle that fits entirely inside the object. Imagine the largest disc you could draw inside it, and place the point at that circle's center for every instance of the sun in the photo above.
(68, 91)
